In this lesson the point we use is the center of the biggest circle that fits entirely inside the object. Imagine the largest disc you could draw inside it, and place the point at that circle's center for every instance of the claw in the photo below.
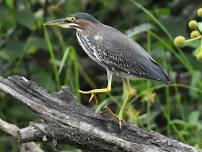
(119, 118)
(93, 96)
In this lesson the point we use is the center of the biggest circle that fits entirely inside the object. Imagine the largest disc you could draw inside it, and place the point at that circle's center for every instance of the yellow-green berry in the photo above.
(198, 53)
(192, 24)
(194, 34)
(179, 41)
(199, 12)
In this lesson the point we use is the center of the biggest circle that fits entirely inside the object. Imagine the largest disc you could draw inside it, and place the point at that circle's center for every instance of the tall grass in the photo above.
(52, 58)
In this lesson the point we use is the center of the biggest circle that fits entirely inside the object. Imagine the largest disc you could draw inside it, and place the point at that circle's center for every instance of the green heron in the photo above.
(111, 49)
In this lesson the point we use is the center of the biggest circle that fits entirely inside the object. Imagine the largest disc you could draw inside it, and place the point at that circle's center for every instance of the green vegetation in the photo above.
(52, 57)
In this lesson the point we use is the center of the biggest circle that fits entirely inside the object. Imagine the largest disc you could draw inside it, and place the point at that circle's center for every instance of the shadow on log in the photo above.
(66, 121)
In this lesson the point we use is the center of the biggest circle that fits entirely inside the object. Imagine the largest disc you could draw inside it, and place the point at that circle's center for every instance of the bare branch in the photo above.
(13, 131)
(66, 121)
(9, 128)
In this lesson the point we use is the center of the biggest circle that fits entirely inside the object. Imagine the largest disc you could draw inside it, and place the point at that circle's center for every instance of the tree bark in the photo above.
(66, 121)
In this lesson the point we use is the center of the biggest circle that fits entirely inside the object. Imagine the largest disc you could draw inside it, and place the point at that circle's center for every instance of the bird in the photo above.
(113, 50)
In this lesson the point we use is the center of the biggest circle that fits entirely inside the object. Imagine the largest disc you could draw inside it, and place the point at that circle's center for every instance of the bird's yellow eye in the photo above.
(71, 19)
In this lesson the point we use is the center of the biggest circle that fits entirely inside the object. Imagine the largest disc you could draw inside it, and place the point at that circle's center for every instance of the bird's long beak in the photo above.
(61, 22)
(55, 22)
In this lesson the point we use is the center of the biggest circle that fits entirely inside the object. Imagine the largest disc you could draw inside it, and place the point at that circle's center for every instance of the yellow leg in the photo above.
(127, 95)
(103, 90)
(94, 92)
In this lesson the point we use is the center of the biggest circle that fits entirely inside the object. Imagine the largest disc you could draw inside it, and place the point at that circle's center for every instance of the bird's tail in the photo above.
(159, 74)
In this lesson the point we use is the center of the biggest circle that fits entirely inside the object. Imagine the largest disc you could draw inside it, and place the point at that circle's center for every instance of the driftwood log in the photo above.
(66, 121)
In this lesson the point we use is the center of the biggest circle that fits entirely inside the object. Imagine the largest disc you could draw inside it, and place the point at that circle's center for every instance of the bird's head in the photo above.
(77, 21)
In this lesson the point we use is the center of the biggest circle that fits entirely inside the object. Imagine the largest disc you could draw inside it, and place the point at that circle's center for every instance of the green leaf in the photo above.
(25, 18)
(175, 25)
(194, 117)
(162, 11)
(13, 49)
(139, 29)
(7, 20)
(44, 79)
(4, 55)
(34, 44)
(10, 3)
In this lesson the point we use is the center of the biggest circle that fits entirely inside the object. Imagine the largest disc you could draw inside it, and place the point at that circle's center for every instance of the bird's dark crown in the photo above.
(84, 16)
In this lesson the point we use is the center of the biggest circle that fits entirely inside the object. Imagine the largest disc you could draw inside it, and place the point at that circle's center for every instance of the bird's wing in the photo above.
(121, 54)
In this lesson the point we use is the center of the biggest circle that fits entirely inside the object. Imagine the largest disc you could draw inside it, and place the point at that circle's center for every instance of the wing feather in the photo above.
(121, 54)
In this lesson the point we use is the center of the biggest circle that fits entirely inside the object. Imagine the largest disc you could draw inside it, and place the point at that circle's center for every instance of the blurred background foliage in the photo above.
(52, 58)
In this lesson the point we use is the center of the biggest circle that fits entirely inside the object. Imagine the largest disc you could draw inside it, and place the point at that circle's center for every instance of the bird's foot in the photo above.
(121, 120)
(94, 92)
(93, 96)
(118, 117)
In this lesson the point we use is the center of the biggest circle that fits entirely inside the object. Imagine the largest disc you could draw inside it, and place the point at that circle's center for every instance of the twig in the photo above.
(13, 131)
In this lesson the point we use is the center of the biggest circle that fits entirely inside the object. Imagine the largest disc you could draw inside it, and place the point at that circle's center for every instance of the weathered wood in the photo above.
(13, 131)
(66, 121)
